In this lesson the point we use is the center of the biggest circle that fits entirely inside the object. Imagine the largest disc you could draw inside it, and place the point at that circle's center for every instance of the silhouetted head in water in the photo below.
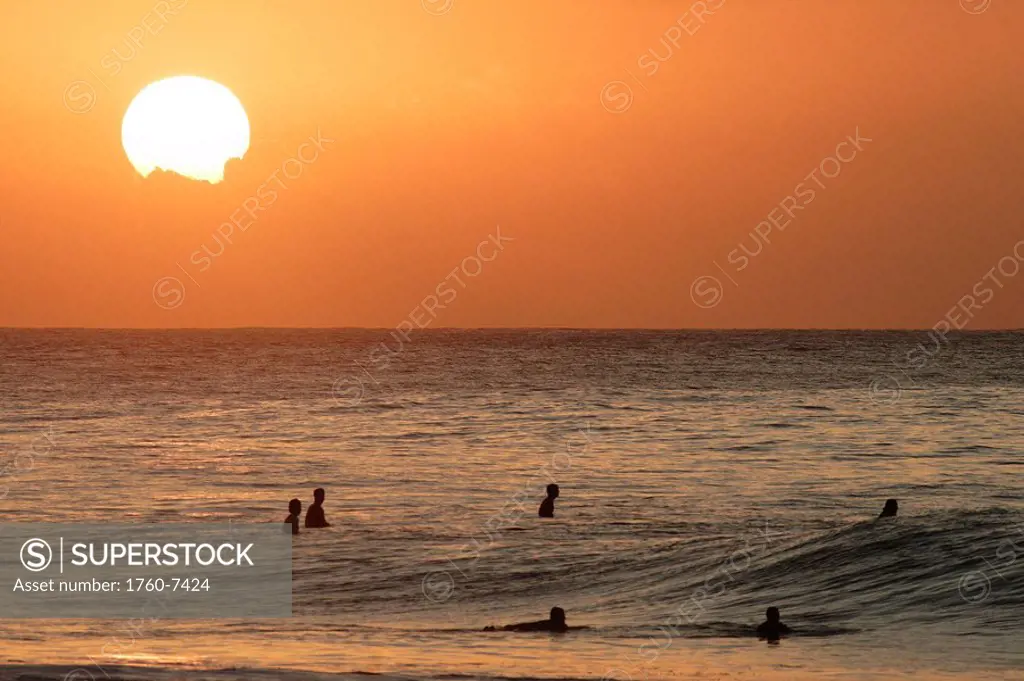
(318, 495)
(772, 615)
(558, 617)
(547, 507)
(890, 509)
(294, 511)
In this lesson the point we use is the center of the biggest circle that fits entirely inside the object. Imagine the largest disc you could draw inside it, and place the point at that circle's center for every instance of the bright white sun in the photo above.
(189, 125)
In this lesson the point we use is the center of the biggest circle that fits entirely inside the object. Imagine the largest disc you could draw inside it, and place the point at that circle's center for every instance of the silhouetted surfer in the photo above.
(315, 513)
(890, 509)
(555, 623)
(547, 507)
(294, 513)
(772, 628)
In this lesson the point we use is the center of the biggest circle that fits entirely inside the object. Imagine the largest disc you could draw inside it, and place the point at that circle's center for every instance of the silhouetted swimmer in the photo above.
(772, 628)
(547, 507)
(294, 513)
(315, 513)
(890, 509)
(555, 624)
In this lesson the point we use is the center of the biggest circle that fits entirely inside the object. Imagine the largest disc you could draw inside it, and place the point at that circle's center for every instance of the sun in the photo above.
(189, 125)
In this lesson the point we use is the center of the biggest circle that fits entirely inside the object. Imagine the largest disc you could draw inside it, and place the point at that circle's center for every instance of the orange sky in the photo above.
(447, 124)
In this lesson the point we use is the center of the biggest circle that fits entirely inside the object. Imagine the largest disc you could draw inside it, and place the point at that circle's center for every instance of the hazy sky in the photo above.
(628, 150)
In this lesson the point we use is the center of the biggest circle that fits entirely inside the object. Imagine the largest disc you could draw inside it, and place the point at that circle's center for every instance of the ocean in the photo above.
(704, 475)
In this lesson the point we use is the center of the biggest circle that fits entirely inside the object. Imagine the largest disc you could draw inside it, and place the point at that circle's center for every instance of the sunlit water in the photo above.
(704, 476)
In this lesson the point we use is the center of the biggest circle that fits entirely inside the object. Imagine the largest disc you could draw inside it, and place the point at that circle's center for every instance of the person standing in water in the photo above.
(315, 513)
(547, 507)
(772, 628)
(294, 513)
(890, 509)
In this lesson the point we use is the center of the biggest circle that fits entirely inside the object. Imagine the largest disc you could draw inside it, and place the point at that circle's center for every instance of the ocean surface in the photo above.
(704, 476)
